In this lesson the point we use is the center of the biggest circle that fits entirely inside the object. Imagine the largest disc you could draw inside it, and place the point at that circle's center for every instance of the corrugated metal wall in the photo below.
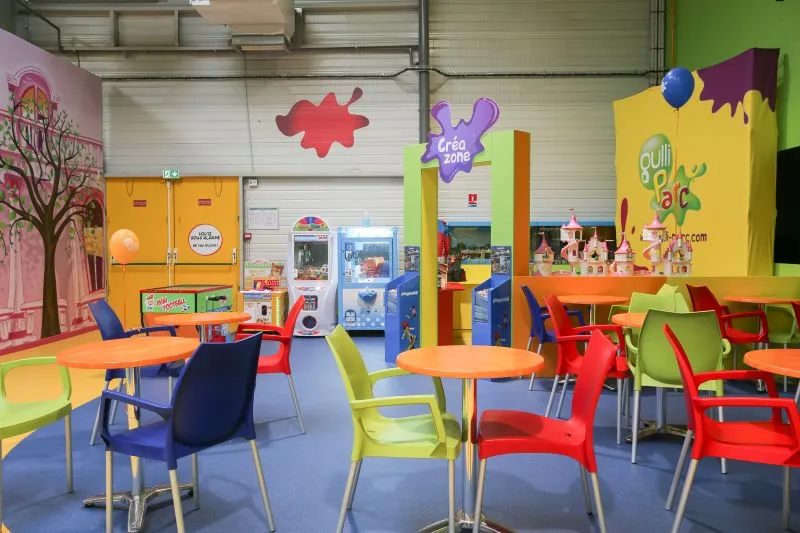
(227, 127)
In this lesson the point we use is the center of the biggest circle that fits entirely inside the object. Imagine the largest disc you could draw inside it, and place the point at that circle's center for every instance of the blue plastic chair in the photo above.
(539, 316)
(212, 404)
(111, 328)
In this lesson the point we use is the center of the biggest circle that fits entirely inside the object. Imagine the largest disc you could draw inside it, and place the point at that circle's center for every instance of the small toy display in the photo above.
(655, 234)
(624, 256)
(368, 257)
(678, 260)
(594, 258)
(310, 276)
(543, 258)
(571, 233)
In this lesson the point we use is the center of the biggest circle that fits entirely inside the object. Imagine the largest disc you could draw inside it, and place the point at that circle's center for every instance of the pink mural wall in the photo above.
(51, 196)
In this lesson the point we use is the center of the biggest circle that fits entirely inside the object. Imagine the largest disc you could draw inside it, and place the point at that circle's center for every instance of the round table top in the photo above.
(592, 299)
(468, 362)
(785, 362)
(202, 319)
(128, 353)
(629, 320)
(759, 299)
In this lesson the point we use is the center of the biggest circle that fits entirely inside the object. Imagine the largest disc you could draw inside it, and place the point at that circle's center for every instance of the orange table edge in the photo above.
(201, 319)
(629, 320)
(470, 362)
(781, 361)
(127, 353)
(761, 300)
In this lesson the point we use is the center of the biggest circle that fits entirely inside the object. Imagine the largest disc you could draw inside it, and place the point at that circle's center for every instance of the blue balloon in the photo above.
(677, 87)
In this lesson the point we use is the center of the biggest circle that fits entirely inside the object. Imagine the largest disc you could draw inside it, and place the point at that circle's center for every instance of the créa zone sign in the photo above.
(205, 239)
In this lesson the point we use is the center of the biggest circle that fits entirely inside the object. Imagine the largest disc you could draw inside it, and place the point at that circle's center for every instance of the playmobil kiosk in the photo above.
(311, 277)
(368, 262)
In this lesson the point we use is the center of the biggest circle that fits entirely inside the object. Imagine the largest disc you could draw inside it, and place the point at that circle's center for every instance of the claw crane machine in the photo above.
(312, 276)
(368, 259)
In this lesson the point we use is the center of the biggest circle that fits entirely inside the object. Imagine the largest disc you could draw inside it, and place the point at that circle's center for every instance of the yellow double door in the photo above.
(178, 224)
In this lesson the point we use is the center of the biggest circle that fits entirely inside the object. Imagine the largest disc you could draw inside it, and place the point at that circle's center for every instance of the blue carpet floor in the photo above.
(306, 473)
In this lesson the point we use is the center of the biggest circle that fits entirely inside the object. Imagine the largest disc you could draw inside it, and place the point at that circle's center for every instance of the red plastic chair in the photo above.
(506, 432)
(704, 300)
(796, 309)
(771, 442)
(570, 360)
(277, 363)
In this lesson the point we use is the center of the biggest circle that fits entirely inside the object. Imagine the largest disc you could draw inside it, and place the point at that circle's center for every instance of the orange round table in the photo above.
(205, 321)
(131, 354)
(784, 362)
(629, 320)
(469, 363)
(592, 300)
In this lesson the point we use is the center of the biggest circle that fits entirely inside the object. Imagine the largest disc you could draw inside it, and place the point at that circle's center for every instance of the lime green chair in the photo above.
(429, 436)
(19, 418)
(652, 360)
(782, 329)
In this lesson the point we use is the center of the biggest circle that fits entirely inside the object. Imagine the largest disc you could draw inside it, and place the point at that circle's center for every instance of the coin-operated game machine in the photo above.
(368, 261)
(312, 276)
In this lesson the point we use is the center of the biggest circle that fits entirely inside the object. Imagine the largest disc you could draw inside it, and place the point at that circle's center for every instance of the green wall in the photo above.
(710, 31)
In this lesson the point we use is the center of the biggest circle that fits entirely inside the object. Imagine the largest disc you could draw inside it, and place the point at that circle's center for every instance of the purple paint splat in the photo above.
(729, 81)
(456, 147)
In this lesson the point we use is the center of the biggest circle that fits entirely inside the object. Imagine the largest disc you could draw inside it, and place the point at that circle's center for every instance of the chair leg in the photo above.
(170, 388)
(351, 477)
(115, 403)
(355, 484)
(553, 395)
(797, 393)
(538, 351)
(563, 395)
(786, 496)
(68, 442)
(451, 496)
(262, 484)
(723, 462)
(585, 482)
(679, 469)
(96, 428)
(735, 353)
(195, 481)
(476, 526)
(598, 502)
(109, 492)
(637, 401)
(176, 501)
(296, 404)
(619, 411)
(687, 487)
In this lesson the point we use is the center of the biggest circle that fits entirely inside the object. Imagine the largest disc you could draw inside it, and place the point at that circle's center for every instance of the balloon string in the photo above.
(124, 300)
(675, 159)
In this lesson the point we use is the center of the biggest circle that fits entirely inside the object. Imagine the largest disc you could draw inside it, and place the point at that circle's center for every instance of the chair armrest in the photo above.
(164, 411)
(600, 327)
(740, 375)
(726, 346)
(66, 383)
(629, 344)
(572, 338)
(762, 318)
(262, 328)
(578, 314)
(416, 399)
(378, 375)
(776, 404)
(152, 329)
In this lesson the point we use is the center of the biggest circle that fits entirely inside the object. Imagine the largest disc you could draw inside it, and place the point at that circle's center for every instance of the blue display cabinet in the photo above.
(402, 315)
(368, 260)
(491, 312)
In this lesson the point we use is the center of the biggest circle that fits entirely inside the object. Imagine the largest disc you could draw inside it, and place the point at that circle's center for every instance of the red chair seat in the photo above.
(272, 364)
(504, 432)
(760, 437)
(738, 336)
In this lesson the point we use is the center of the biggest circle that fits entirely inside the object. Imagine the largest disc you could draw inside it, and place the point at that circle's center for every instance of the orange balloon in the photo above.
(123, 245)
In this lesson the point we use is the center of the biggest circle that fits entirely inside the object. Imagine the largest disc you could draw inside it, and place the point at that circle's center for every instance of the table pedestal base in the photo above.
(137, 504)
(653, 431)
(464, 525)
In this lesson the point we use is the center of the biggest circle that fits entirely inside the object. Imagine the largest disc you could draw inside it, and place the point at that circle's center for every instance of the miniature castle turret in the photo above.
(624, 258)
(543, 258)
(679, 257)
(655, 234)
(595, 257)
(571, 233)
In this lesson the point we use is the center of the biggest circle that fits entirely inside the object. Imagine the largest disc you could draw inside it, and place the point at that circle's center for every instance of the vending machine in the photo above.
(312, 276)
(367, 262)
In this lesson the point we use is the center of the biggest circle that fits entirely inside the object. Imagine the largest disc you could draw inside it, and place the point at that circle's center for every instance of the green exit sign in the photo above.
(171, 174)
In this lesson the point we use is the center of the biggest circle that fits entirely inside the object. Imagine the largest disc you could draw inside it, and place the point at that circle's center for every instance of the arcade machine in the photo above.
(187, 299)
(402, 309)
(368, 258)
(312, 276)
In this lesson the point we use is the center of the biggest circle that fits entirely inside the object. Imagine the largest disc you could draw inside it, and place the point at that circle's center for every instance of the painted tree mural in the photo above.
(46, 175)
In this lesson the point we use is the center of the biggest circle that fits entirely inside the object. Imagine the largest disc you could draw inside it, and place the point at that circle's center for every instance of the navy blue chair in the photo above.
(212, 404)
(539, 316)
(111, 328)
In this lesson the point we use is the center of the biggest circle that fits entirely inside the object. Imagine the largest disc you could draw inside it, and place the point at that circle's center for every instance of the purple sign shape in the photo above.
(457, 146)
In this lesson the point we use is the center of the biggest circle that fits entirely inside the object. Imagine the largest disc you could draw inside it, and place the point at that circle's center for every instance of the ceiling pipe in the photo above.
(424, 72)
(29, 10)
(306, 5)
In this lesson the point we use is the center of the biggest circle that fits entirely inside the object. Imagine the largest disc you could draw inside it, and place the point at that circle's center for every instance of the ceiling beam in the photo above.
(306, 5)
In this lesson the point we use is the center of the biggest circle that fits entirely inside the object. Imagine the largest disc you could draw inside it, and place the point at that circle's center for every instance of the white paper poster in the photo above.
(262, 218)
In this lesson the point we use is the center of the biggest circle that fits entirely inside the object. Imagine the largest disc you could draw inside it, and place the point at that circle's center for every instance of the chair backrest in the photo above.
(291, 318)
(699, 333)
(644, 302)
(597, 363)
(351, 365)
(561, 322)
(681, 306)
(214, 393)
(667, 289)
(690, 390)
(107, 321)
(703, 299)
(537, 322)
(796, 309)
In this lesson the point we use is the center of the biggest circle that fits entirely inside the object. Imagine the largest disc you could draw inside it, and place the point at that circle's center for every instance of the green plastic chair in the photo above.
(652, 360)
(782, 329)
(666, 299)
(429, 436)
(19, 418)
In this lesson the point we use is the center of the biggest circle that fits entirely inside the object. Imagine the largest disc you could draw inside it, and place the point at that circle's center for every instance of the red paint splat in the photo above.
(623, 213)
(324, 124)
